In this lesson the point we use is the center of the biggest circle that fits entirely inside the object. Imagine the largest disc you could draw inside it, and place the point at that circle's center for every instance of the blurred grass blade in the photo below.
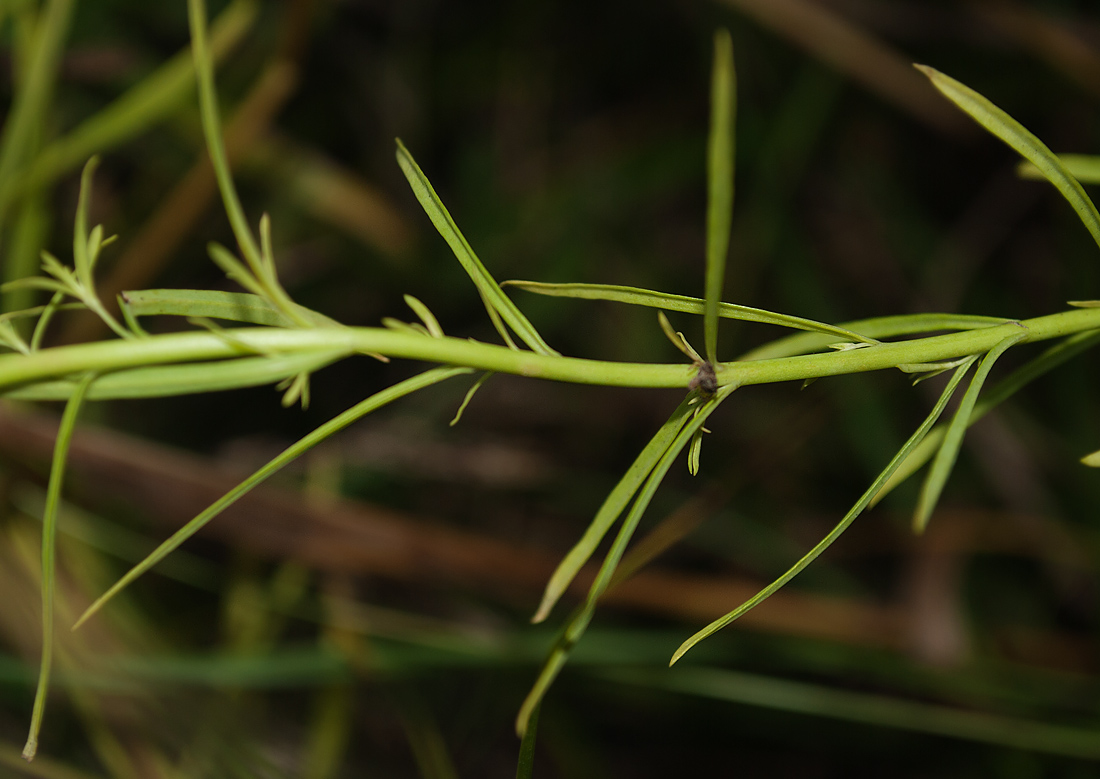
(612, 507)
(49, 556)
(150, 100)
(690, 305)
(1092, 460)
(298, 448)
(871, 709)
(836, 532)
(485, 283)
(720, 184)
(581, 617)
(525, 766)
(998, 393)
(1022, 141)
(233, 306)
(1083, 167)
(953, 436)
(211, 125)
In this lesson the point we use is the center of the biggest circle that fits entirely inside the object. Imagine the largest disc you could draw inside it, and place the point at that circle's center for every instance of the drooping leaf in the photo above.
(837, 531)
(612, 507)
(578, 622)
(356, 412)
(992, 118)
(49, 556)
(953, 436)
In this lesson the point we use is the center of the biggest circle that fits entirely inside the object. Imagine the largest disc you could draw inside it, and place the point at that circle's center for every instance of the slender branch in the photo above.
(107, 356)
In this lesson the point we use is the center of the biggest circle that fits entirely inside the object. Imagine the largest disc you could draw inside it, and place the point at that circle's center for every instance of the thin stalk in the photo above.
(109, 356)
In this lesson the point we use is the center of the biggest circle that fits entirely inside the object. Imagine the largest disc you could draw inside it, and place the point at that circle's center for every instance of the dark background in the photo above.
(568, 141)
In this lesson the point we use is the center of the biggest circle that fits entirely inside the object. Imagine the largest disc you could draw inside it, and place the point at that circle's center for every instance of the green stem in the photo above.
(107, 356)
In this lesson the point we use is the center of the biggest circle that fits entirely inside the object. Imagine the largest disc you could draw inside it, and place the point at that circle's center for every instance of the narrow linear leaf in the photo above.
(356, 412)
(1022, 141)
(720, 184)
(1000, 392)
(677, 338)
(211, 126)
(1092, 460)
(470, 396)
(426, 316)
(49, 557)
(232, 306)
(689, 305)
(612, 507)
(486, 284)
(81, 258)
(953, 436)
(841, 526)
(581, 617)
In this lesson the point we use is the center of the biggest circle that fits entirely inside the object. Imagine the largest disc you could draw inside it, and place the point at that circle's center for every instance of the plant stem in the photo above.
(107, 356)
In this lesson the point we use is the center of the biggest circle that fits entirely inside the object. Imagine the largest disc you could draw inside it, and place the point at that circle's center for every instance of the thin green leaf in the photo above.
(953, 436)
(485, 283)
(232, 306)
(678, 339)
(81, 258)
(1092, 460)
(694, 452)
(690, 305)
(1000, 392)
(49, 556)
(211, 126)
(470, 396)
(612, 507)
(426, 316)
(188, 379)
(720, 184)
(295, 450)
(1083, 167)
(1022, 141)
(44, 320)
(878, 327)
(580, 619)
(837, 531)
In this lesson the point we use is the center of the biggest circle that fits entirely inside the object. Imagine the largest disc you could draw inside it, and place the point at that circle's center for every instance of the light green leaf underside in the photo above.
(192, 378)
(953, 436)
(491, 292)
(1083, 167)
(720, 183)
(1022, 141)
(1000, 392)
(294, 451)
(690, 305)
(580, 619)
(837, 531)
(233, 306)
